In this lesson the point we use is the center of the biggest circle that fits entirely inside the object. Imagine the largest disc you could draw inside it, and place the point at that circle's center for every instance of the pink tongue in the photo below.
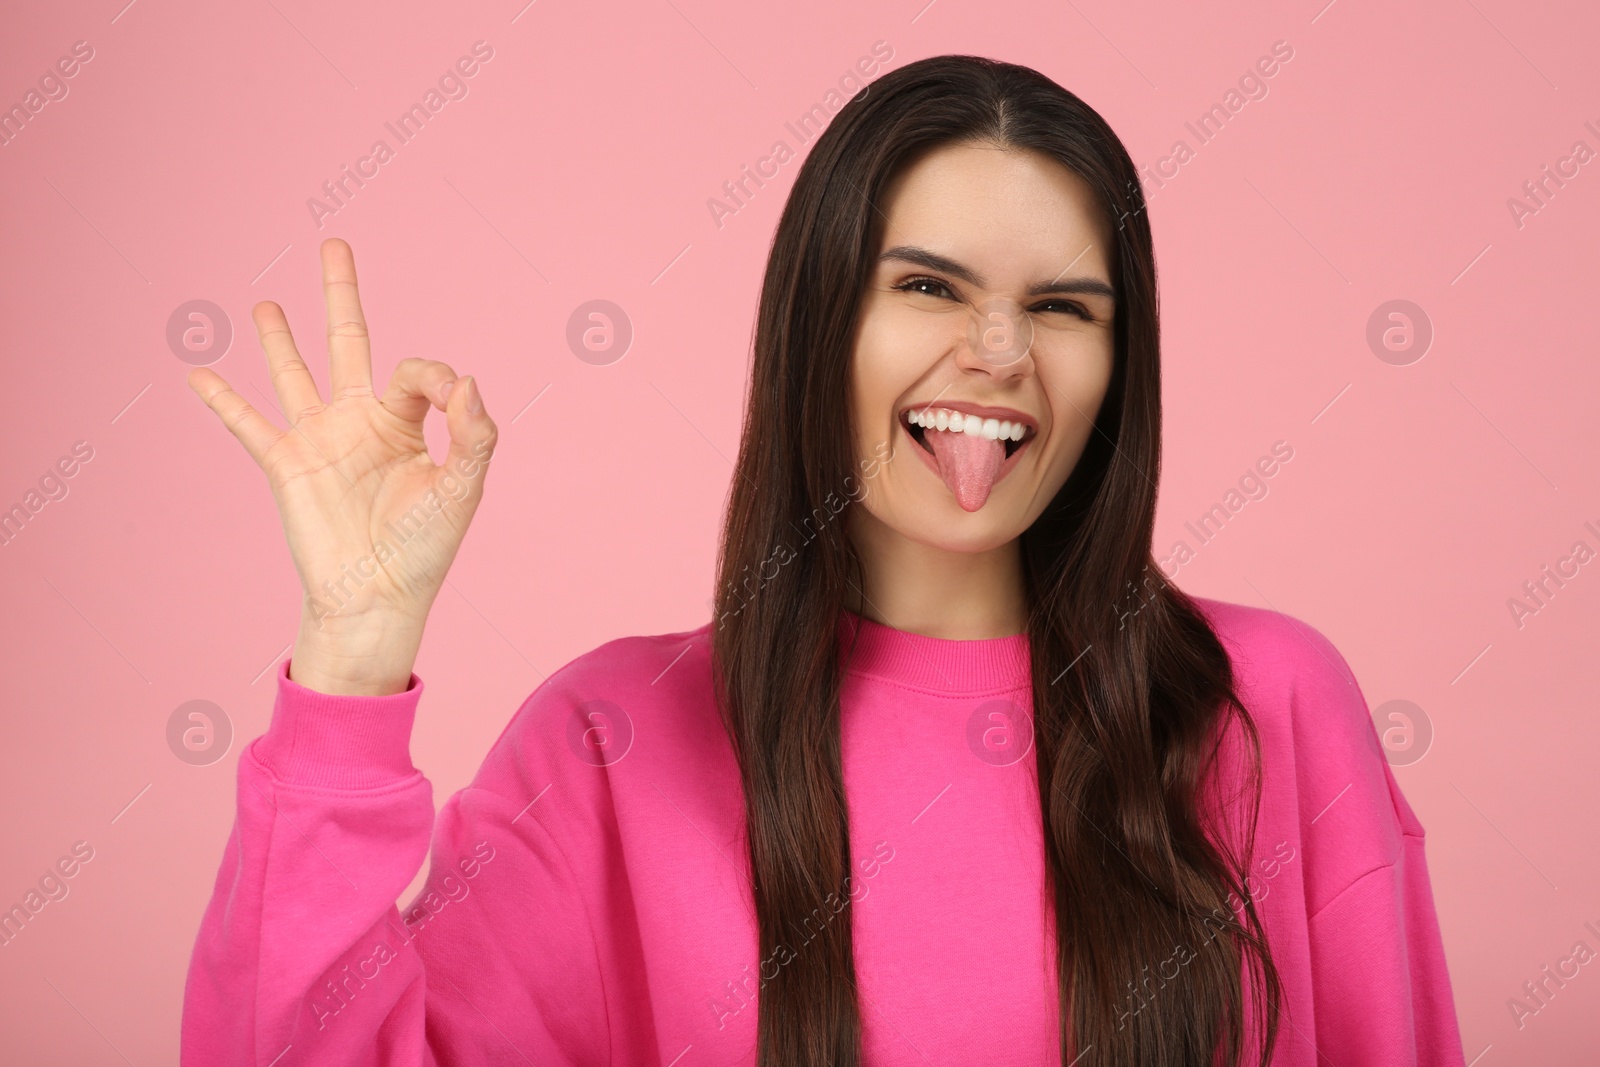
(968, 464)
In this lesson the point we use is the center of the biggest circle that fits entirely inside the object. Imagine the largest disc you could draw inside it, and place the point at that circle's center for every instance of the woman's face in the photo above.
(991, 299)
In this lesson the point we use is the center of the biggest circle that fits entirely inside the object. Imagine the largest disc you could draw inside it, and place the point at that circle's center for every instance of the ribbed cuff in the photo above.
(340, 741)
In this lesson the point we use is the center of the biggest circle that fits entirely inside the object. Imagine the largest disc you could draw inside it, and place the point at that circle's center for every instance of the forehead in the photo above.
(1014, 214)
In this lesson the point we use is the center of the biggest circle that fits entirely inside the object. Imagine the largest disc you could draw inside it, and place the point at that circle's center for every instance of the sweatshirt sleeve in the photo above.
(1380, 986)
(1379, 981)
(303, 956)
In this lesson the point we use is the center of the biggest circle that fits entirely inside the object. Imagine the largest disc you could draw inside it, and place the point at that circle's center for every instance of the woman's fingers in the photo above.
(415, 386)
(473, 435)
(253, 430)
(349, 350)
(296, 389)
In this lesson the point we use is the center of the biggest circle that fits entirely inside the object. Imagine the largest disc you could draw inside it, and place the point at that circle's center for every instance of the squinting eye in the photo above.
(1070, 308)
(914, 285)
(911, 284)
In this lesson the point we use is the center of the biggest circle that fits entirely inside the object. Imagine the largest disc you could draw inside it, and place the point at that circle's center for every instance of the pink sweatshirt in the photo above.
(588, 898)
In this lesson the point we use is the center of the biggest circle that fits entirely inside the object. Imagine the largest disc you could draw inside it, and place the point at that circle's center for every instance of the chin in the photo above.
(974, 541)
(939, 522)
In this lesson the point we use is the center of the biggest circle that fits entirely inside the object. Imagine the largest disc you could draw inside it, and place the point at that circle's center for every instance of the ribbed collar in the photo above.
(934, 664)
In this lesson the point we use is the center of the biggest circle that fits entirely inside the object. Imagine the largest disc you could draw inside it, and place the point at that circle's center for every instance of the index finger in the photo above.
(349, 351)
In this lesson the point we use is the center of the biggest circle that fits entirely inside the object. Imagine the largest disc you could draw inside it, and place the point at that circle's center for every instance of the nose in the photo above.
(998, 341)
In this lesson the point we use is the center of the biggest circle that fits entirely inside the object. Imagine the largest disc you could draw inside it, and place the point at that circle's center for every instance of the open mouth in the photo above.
(971, 451)
(920, 422)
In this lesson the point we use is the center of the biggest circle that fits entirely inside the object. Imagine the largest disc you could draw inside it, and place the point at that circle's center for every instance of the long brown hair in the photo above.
(1131, 687)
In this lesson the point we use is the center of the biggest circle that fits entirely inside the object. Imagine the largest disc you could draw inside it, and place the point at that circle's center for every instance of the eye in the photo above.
(1070, 307)
(921, 284)
(913, 285)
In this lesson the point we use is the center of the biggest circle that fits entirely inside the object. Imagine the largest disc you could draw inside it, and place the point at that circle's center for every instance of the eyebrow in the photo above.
(934, 261)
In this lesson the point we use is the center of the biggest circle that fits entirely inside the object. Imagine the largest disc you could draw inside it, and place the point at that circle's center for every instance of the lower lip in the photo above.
(933, 464)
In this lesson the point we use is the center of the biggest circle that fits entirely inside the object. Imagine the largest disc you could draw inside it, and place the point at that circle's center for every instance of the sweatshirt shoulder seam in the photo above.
(1354, 882)
(1420, 839)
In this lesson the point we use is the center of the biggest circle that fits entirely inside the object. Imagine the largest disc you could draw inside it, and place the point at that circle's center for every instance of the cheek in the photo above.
(863, 403)
(1076, 396)
(880, 374)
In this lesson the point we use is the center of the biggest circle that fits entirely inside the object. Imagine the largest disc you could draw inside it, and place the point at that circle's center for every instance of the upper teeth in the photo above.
(957, 422)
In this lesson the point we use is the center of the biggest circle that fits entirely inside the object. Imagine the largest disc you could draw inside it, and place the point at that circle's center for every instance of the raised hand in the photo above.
(372, 522)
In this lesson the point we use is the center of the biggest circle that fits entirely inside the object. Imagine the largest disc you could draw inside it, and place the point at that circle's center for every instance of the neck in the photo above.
(936, 592)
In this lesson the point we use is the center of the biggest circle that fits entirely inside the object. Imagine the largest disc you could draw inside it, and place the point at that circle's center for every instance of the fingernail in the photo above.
(444, 391)
(474, 401)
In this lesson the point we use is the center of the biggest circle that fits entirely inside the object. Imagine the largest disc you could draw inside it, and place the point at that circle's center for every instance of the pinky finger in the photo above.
(253, 430)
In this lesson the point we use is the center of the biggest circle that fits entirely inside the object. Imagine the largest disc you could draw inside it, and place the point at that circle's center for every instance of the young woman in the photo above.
(951, 776)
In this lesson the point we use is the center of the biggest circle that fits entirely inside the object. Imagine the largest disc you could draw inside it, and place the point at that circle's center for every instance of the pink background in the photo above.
(579, 166)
